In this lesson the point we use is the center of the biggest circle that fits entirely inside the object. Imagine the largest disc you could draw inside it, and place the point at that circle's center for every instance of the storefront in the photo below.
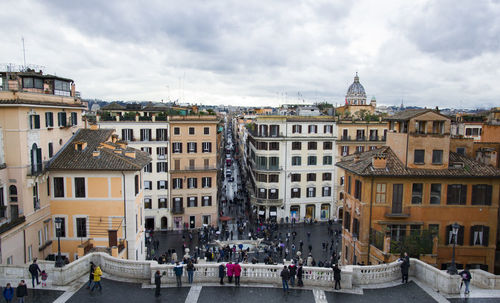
(295, 213)
(311, 211)
(325, 212)
(273, 213)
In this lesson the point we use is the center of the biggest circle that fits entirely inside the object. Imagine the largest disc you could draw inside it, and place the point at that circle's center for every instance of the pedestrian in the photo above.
(300, 271)
(190, 270)
(91, 275)
(21, 291)
(309, 260)
(157, 283)
(336, 276)
(293, 271)
(466, 277)
(44, 276)
(222, 273)
(285, 275)
(237, 273)
(97, 278)
(229, 267)
(405, 266)
(8, 293)
(178, 273)
(34, 269)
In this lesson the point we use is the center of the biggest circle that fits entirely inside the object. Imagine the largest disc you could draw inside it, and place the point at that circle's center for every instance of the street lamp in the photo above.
(452, 270)
(354, 250)
(59, 260)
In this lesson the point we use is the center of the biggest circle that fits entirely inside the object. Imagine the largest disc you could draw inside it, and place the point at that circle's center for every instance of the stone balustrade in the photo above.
(352, 275)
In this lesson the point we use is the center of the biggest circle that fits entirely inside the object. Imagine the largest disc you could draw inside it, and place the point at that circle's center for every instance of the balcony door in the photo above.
(397, 198)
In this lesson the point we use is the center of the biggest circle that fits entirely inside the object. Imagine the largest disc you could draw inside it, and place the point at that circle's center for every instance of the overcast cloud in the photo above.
(425, 53)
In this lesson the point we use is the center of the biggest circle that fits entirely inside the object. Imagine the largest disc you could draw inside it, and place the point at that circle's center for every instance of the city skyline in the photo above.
(239, 54)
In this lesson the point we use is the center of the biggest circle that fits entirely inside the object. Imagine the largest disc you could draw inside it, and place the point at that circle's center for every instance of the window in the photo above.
(177, 131)
(481, 194)
(261, 162)
(327, 160)
(178, 203)
(262, 193)
(328, 129)
(479, 235)
(30, 253)
(398, 232)
(312, 145)
(434, 229)
(450, 238)
(162, 202)
(296, 145)
(177, 183)
(148, 185)
(311, 160)
(345, 150)
(296, 129)
(177, 147)
(273, 193)
(51, 149)
(327, 177)
(61, 88)
(136, 184)
(357, 189)
(206, 182)
(149, 150)
(33, 83)
(161, 167)
(461, 151)
(206, 147)
(146, 134)
(148, 168)
(147, 203)
(419, 156)
(58, 187)
(360, 135)
(192, 182)
(80, 187)
(274, 178)
(360, 149)
(206, 163)
(274, 130)
(74, 118)
(380, 194)
(49, 119)
(206, 201)
(435, 193)
(295, 193)
(161, 134)
(311, 192)
(61, 119)
(192, 202)
(296, 161)
(206, 130)
(416, 193)
(191, 130)
(347, 220)
(327, 145)
(311, 177)
(12, 193)
(327, 191)
(349, 184)
(313, 129)
(191, 163)
(81, 227)
(262, 145)
(127, 134)
(191, 147)
(177, 164)
(274, 162)
(162, 184)
(262, 178)
(161, 152)
(355, 227)
(274, 146)
(62, 231)
(342, 180)
(457, 194)
(296, 177)
(34, 121)
(2, 204)
(437, 156)
(40, 238)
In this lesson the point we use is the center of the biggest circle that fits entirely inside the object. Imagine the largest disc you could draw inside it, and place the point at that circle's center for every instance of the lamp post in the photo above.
(452, 270)
(59, 260)
(354, 250)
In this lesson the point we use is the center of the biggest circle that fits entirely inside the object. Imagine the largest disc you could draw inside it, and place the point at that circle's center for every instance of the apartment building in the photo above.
(290, 165)
(38, 115)
(194, 170)
(96, 191)
(148, 131)
(407, 196)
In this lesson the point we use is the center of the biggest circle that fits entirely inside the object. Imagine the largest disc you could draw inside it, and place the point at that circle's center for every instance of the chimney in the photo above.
(94, 126)
(114, 138)
(356, 158)
(379, 161)
(96, 153)
(73, 89)
(130, 154)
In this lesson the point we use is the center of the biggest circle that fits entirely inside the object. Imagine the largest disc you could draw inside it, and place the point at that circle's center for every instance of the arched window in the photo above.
(13, 193)
(36, 159)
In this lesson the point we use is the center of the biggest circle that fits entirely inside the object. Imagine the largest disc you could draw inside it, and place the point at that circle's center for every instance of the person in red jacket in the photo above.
(237, 273)
(230, 271)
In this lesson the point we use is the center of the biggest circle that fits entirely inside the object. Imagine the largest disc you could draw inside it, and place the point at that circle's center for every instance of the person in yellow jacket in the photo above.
(97, 278)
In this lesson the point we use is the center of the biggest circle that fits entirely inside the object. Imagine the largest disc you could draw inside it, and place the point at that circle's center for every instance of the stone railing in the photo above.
(352, 275)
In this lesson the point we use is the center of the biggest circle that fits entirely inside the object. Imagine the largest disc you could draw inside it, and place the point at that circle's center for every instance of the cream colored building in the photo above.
(38, 115)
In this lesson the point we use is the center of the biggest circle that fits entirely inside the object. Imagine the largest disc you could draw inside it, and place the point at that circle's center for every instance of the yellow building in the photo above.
(38, 115)
(96, 189)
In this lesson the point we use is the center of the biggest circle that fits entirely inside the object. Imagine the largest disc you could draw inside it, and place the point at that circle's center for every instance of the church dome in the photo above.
(356, 93)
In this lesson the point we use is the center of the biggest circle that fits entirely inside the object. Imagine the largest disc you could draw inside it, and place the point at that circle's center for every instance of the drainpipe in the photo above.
(125, 210)
(370, 222)
(24, 244)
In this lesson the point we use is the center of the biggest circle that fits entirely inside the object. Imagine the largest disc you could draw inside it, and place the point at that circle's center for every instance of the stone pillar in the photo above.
(435, 245)
(117, 117)
(98, 117)
(80, 251)
(137, 117)
(387, 243)
(114, 251)
(153, 118)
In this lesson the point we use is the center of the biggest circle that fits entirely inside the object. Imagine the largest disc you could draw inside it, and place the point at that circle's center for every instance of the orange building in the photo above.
(406, 196)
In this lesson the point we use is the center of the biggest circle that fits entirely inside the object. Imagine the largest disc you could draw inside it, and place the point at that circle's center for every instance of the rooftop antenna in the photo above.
(24, 53)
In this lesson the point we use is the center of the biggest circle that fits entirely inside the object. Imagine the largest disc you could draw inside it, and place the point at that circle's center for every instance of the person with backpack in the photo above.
(190, 271)
(21, 291)
(8, 293)
(466, 277)
(285, 275)
(34, 269)
(91, 275)
(97, 278)
(178, 269)
(292, 269)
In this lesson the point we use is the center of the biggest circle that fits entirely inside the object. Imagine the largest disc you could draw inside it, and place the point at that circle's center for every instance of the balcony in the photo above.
(265, 202)
(395, 214)
(194, 168)
(360, 138)
(177, 211)
(374, 138)
(162, 157)
(268, 169)
(345, 138)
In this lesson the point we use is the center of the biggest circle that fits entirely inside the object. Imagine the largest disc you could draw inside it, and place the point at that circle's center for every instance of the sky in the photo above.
(442, 53)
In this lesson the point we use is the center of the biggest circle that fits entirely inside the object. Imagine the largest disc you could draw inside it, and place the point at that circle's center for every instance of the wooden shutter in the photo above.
(460, 235)
(486, 235)
(463, 194)
(447, 234)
